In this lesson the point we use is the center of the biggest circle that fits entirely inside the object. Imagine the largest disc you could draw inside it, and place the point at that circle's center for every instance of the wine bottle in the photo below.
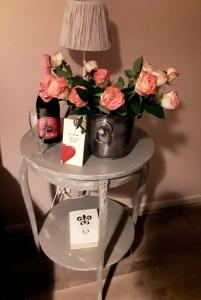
(48, 114)
(48, 111)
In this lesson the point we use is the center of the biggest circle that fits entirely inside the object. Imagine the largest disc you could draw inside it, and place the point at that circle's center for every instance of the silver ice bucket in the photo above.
(110, 136)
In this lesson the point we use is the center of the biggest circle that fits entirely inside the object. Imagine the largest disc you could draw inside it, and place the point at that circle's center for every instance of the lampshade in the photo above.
(85, 26)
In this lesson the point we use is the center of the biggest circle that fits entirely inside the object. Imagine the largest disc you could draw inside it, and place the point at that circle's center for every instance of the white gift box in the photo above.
(84, 228)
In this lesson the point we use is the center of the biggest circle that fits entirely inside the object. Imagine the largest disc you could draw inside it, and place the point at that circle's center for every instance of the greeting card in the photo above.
(73, 148)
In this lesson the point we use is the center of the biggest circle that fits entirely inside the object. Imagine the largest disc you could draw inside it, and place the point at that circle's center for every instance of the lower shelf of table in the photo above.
(55, 242)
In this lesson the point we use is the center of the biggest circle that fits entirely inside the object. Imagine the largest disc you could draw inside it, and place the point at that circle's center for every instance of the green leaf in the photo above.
(154, 109)
(61, 73)
(122, 111)
(127, 91)
(98, 95)
(91, 81)
(152, 98)
(95, 101)
(103, 109)
(70, 82)
(137, 66)
(86, 83)
(77, 80)
(129, 73)
(131, 96)
(69, 71)
(96, 90)
(83, 94)
(131, 82)
(136, 106)
(120, 83)
(78, 111)
(141, 99)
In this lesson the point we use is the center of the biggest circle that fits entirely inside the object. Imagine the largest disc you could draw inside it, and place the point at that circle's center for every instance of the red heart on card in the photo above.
(67, 152)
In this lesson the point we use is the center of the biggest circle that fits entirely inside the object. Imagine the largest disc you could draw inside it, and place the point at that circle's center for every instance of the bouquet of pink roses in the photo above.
(96, 94)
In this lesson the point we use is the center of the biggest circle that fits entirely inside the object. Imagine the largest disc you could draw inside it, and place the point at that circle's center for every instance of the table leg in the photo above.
(103, 209)
(28, 201)
(140, 192)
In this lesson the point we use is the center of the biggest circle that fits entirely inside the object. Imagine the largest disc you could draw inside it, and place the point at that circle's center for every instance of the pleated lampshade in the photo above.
(85, 26)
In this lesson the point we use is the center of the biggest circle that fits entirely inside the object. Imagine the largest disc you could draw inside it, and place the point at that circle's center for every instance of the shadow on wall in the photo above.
(103, 57)
(21, 271)
(12, 207)
(167, 138)
(11, 203)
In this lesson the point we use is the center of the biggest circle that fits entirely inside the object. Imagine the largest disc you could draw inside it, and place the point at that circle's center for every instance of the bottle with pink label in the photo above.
(49, 122)
(47, 106)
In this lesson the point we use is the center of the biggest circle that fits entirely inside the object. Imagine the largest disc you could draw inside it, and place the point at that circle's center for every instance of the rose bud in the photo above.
(170, 100)
(91, 66)
(102, 77)
(172, 74)
(57, 60)
(162, 77)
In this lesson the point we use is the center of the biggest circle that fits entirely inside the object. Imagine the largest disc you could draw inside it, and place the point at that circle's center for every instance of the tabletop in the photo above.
(94, 168)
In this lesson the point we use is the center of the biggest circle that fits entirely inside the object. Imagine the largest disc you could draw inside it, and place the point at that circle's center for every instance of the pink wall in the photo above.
(165, 32)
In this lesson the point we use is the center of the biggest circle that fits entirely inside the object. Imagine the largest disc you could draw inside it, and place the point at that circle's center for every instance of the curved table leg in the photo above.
(28, 201)
(140, 192)
(103, 210)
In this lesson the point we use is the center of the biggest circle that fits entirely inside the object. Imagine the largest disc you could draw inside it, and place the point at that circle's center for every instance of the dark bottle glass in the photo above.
(48, 114)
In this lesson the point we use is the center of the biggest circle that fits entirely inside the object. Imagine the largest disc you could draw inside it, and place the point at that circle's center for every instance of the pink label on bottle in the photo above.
(48, 127)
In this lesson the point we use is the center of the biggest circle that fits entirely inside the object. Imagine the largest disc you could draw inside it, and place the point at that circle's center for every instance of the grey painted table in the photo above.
(116, 227)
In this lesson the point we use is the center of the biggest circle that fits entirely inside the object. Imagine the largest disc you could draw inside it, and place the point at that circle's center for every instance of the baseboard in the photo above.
(151, 207)
(146, 207)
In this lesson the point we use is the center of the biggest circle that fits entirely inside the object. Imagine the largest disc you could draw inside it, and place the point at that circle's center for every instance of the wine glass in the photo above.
(38, 122)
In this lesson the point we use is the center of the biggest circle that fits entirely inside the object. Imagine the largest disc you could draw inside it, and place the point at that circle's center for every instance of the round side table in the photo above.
(116, 226)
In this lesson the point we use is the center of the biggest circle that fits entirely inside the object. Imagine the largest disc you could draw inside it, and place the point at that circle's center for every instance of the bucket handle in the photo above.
(103, 133)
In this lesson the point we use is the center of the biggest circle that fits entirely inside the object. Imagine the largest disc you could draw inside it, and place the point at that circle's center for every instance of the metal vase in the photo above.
(110, 136)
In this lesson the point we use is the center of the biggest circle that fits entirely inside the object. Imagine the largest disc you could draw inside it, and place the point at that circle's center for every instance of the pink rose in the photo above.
(51, 86)
(101, 77)
(112, 98)
(146, 84)
(44, 85)
(172, 74)
(58, 88)
(46, 64)
(162, 77)
(74, 97)
(170, 100)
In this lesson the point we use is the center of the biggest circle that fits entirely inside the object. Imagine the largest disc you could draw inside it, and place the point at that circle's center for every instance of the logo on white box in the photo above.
(84, 228)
